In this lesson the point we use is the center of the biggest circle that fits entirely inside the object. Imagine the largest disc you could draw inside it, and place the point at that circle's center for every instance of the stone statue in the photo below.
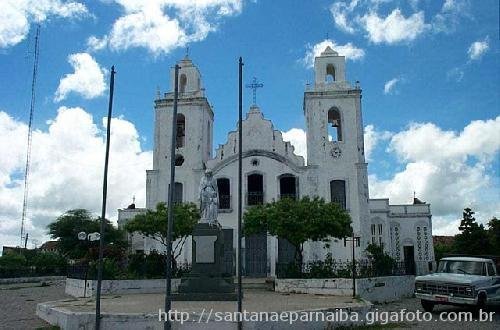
(209, 199)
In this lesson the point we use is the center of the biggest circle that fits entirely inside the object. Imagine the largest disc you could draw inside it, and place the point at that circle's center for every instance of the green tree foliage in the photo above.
(473, 237)
(111, 270)
(49, 259)
(379, 260)
(12, 260)
(494, 234)
(153, 224)
(440, 250)
(67, 226)
(151, 265)
(32, 263)
(299, 221)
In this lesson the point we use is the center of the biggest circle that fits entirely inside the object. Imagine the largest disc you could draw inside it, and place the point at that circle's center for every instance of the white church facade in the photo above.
(335, 170)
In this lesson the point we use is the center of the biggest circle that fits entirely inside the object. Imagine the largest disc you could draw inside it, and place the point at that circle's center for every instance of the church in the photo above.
(335, 170)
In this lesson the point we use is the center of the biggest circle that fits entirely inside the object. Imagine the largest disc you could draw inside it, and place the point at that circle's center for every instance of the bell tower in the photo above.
(194, 136)
(335, 146)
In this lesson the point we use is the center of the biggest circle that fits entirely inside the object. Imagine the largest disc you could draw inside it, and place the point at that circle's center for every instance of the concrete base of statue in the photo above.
(209, 279)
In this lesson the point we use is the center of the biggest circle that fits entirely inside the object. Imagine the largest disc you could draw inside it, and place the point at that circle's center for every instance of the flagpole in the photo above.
(170, 220)
(104, 197)
(240, 186)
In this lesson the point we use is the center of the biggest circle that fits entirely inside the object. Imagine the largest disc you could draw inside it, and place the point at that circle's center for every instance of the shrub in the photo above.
(110, 270)
(321, 269)
(12, 260)
(151, 265)
(382, 263)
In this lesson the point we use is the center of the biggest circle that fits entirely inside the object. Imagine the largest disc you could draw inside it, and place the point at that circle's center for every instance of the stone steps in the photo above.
(257, 283)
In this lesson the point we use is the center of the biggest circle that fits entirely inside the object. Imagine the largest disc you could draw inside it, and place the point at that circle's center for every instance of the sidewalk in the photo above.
(140, 311)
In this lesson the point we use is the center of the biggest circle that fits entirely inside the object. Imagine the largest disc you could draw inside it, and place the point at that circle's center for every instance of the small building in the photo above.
(335, 170)
(50, 246)
(12, 249)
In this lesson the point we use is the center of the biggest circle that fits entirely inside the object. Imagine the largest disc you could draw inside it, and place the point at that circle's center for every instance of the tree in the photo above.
(473, 237)
(153, 224)
(468, 223)
(12, 260)
(382, 263)
(299, 221)
(440, 250)
(494, 234)
(67, 226)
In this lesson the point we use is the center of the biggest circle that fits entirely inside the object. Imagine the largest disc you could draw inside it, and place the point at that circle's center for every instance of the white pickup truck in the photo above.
(472, 281)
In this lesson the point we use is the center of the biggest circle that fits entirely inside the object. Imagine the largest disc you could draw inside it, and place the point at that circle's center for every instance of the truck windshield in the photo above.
(462, 267)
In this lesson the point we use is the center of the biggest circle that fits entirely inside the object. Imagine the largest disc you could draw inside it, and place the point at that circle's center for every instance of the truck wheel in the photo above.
(481, 303)
(427, 305)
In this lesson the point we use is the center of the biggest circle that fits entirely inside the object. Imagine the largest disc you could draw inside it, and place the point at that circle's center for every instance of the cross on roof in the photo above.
(254, 85)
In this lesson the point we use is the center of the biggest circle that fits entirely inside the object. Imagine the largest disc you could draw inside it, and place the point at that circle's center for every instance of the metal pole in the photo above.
(85, 276)
(104, 196)
(240, 185)
(170, 219)
(353, 265)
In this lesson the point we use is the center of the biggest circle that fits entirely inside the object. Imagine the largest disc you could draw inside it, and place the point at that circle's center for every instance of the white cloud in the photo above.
(87, 80)
(17, 15)
(480, 139)
(448, 169)
(478, 48)
(371, 138)
(297, 138)
(66, 170)
(448, 18)
(340, 12)
(348, 50)
(456, 74)
(95, 44)
(394, 28)
(163, 25)
(382, 21)
(390, 85)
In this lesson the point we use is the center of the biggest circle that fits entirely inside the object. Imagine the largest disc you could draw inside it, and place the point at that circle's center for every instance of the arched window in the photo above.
(224, 190)
(181, 130)
(179, 160)
(330, 73)
(377, 231)
(334, 125)
(338, 193)
(182, 83)
(288, 186)
(255, 187)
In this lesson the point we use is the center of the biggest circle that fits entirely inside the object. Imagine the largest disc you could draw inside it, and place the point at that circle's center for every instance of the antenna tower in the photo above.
(30, 133)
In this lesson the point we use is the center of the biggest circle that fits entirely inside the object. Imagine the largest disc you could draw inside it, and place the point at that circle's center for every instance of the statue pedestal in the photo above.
(209, 278)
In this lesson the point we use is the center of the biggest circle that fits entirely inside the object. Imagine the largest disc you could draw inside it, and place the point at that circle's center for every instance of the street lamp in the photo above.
(82, 236)
(355, 242)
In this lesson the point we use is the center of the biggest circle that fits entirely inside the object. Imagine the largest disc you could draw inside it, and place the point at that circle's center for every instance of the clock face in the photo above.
(336, 152)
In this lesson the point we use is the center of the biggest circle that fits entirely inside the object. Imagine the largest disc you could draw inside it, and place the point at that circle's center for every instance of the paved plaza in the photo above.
(18, 304)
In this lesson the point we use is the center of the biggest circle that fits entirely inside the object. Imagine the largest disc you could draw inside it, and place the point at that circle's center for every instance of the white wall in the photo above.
(76, 287)
(375, 289)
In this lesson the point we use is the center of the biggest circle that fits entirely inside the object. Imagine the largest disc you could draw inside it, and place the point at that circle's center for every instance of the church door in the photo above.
(256, 255)
(409, 254)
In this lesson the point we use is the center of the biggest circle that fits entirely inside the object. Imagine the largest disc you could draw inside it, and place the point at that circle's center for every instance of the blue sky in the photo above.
(428, 69)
